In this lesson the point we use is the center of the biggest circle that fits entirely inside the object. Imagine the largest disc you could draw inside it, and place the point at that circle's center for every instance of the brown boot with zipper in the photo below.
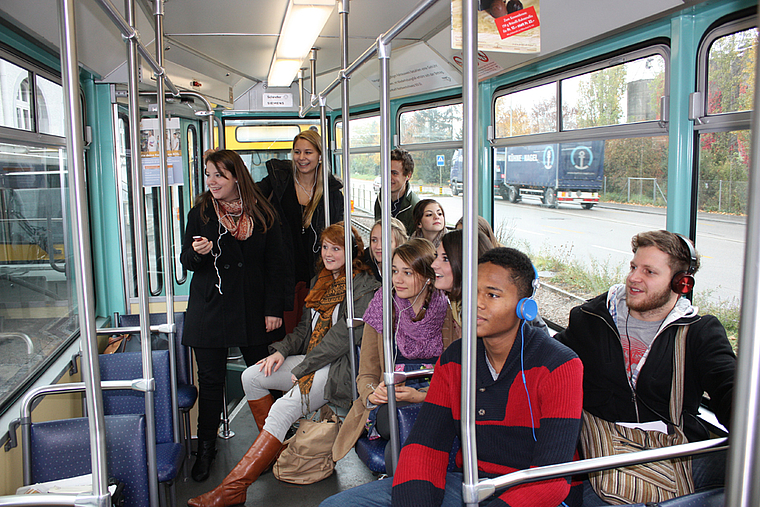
(233, 488)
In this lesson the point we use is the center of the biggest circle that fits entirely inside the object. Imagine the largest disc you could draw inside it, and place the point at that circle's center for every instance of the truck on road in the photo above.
(556, 173)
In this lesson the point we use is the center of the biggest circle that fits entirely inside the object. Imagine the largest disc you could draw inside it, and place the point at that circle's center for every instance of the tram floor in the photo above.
(267, 490)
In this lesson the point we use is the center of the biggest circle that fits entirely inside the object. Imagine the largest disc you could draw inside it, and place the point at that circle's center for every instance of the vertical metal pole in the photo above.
(346, 185)
(470, 257)
(384, 55)
(743, 484)
(220, 129)
(82, 249)
(166, 213)
(301, 105)
(313, 68)
(141, 262)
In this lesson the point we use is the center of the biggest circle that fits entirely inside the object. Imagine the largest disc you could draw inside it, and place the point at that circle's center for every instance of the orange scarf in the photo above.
(323, 297)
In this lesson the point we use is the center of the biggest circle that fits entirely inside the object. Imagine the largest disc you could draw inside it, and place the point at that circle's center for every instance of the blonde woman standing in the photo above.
(295, 189)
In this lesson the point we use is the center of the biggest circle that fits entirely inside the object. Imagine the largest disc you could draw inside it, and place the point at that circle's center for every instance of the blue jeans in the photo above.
(378, 494)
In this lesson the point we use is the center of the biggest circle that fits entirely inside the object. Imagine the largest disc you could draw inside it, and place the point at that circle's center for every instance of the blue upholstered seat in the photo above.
(708, 498)
(126, 366)
(372, 452)
(61, 449)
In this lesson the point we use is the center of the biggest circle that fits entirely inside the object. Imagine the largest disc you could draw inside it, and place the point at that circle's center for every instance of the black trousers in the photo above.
(212, 372)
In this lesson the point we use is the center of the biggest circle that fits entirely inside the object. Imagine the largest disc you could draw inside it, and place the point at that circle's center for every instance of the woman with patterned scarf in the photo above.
(422, 329)
(242, 284)
(311, 364)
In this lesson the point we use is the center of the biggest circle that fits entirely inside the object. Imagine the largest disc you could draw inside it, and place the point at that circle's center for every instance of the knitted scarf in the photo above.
(415, 340)
(323, 297)
(242, 228)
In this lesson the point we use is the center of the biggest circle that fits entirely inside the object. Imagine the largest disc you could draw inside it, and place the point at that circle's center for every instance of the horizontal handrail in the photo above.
(72, 387)
(371, 51)
(488, 487)
(161, 328)
(44, 500)
(129, 33)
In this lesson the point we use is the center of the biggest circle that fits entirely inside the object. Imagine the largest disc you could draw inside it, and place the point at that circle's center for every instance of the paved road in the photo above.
(601, 237)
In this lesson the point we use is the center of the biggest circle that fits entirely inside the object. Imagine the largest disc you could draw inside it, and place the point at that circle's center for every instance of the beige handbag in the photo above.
(307, 457)
(647, 482)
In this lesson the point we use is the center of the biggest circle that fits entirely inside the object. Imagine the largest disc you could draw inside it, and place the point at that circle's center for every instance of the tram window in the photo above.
(530, 111)
(726, 69)
(37, 289)
(194, 163)
(731, 72)
(440, 123)
(177, 224)
(616, 95)
(364, 134)
(16, 96)
(433, 136)
(50, 119)
(572, 200)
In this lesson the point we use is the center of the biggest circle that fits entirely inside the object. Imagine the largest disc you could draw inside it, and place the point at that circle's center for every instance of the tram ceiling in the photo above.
(230, 43)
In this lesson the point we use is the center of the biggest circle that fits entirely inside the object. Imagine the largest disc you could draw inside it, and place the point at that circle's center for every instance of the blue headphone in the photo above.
(527, 308)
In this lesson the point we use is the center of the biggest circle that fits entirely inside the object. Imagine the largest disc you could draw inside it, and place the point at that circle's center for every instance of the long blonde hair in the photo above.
(316, 141)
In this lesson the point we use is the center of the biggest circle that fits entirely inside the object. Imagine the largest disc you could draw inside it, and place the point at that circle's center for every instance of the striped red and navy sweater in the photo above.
(505, 442)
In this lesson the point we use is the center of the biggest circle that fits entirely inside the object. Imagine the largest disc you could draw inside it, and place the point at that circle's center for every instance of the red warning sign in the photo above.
(517, 22)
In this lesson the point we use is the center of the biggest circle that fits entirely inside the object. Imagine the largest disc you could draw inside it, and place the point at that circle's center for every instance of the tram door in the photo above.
(186, 181)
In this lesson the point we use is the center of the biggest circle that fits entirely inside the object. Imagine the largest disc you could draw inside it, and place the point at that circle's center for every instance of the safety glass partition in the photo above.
(37, 290)
(580, 165)
(433, 136)
(726, 67)
(364, 136)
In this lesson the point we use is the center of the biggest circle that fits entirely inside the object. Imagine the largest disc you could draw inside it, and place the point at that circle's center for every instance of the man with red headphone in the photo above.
(625, 339)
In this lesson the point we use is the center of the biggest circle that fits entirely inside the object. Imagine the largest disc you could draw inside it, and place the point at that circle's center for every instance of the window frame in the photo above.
(720, 122)
(628, 130)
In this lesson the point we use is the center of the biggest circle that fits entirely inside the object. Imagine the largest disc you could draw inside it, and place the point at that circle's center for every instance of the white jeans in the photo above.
(289, 408)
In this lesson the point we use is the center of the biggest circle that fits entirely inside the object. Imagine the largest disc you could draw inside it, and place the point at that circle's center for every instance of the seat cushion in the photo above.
(61, 449)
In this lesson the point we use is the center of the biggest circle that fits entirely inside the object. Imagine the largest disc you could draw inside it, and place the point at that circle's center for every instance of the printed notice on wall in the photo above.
(149, 155)
(510, 26)
(421, 77)
(486, 66)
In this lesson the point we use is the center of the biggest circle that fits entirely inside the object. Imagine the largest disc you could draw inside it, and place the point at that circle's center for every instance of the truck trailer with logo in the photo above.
(556, 173)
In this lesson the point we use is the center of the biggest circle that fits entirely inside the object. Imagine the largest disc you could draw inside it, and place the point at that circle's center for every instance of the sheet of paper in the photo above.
(647, 426)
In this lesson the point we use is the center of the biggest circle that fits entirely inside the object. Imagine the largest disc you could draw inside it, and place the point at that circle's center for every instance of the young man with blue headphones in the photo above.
(527, 406)
(626, 338)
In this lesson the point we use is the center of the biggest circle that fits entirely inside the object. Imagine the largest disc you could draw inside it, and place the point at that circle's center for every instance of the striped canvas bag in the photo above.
(648, 482)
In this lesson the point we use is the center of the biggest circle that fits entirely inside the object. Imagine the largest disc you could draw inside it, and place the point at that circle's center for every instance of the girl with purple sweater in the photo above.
(422, 329)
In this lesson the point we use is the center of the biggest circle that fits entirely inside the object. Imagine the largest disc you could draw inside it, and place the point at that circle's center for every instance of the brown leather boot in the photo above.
(233, 488)
(260, 409)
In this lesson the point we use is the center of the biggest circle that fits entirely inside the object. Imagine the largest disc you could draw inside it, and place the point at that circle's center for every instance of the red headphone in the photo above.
(683, 281)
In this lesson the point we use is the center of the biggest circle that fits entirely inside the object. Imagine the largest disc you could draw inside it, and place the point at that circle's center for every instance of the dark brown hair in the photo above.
(419, 254)
(452, 245)
(407, 162)
(254, 203)
(669, 243)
